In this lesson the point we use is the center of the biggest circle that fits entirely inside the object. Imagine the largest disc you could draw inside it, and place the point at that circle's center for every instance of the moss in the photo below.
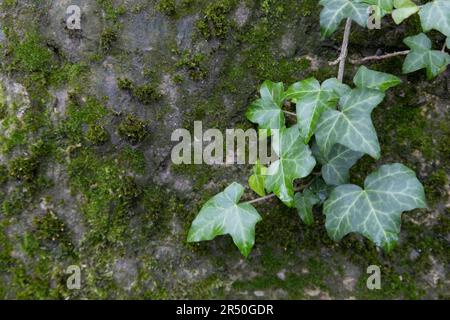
(24, 168)
(124, 84)
(193, 64)
(167, 7)
(146, 94)
(50, 229)
(97, 134)
(215, 22)
(31, 56)
(133, 129)
(435, 186)
(107, 38)
(134, 159)
(3, 174)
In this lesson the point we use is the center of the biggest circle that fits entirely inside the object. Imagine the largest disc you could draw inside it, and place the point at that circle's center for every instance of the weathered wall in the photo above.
(85, 171)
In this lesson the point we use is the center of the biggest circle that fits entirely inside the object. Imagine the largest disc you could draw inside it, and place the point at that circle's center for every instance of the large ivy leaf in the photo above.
(266, 111)
(223, 215)
(336, 165)
(421, 56)
(334, 11)
(311, 100)
(295, 161)
(351, 126)
(374, 211)
(258, 178)
(403, 10)
(366, 78)
(436, 15)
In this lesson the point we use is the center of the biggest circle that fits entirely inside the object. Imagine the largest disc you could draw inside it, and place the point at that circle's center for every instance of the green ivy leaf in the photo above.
(366, 78)
(375, 212)
(447, 42)
(267, 111)
(382, 7)
(320, 189)
(304, 202)
(336, 165)
(223, 215)
(295, 161)
(334, 11)
(403, 10)
(311, 100)
(421, 56)
(258, 178)
(351, 126)
(436, 15)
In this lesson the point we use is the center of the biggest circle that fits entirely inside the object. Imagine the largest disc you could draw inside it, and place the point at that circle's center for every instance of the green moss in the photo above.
(107, 38)
(50, 229)
(193, 64)
(146, 94)
(97, 134)
(24, 168)
(134, 159)
(167, 7)
(133, 129)
(215, 22)
(124, 84)
(31, 56)
(3, 174)
(435, 186)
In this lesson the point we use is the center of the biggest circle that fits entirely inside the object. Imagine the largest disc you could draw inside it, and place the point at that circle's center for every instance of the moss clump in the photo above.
(24, 168)
(97, 134)
(167, 7)
(215, 22)
(3, 174)
(146, 94)
(124, 84)
(49, 228)
(193, 64)
(107, 38)
(435, 186)
(133, 129)
(31, 56)
(3, 110)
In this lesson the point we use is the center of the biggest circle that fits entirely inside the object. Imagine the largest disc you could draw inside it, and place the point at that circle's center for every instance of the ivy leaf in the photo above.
(375, 211)
(366, 78)
(267, 111)
(257, 180)
(336, 165)
(382, 7)
(320, 189)
(447, 42)
(304, 202)
(223, 215)
(311, 100)
(335, 11)
(421, 56)
(339, 88)
(295, 161)
(435, 15)
(351, 126)
(403, 9)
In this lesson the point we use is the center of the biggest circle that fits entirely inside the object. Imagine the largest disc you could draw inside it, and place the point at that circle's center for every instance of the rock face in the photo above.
(85, 170)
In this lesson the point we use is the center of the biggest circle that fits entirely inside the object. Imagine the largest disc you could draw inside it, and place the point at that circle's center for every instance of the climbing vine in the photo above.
(333, 131)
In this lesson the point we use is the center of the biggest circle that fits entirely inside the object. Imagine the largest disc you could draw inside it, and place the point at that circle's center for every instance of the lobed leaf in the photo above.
(304, 202)
(334, 11)
(295, 161)
(403, 10)
(375, 211)
(351, 126)
(422, 57)
(436, 15)
(258, 178)
(223, 215)
(266, 111)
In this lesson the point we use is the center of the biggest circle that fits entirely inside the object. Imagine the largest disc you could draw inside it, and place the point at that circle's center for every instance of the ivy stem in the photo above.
(344, 49)
(385, 56)
(290, 113)
(272, 195)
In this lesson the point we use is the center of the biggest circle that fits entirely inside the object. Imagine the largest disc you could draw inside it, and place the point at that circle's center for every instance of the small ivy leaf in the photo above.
(311, 101)
(334, 11)
(267, 111)
(295, 161)
(366, 78)
(375, 212)
(352, 125)
(403, 10)
(223, 215)
(421, 56)
(320, 189)
(336, 165)
(304, 202)
(435, 15)
(257, 180)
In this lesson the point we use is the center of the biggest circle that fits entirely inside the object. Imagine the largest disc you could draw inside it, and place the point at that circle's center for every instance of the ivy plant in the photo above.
(333, 131)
